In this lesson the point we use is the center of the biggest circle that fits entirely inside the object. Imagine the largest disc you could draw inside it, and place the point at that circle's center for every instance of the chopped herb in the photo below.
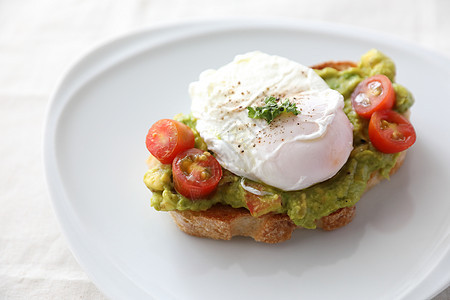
(272, 109)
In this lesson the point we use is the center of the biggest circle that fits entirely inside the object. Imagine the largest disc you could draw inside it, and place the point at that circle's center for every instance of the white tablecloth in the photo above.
(38, 41)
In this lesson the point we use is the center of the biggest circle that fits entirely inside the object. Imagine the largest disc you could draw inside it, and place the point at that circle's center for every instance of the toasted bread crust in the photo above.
(223, 222)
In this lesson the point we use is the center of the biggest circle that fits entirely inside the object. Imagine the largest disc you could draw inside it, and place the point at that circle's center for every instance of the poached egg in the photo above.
(291, 153)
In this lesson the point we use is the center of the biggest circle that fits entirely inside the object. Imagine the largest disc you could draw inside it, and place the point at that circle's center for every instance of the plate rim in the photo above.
(57, 194)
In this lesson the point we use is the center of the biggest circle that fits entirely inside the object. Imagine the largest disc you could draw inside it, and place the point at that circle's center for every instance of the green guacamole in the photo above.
(306, 206)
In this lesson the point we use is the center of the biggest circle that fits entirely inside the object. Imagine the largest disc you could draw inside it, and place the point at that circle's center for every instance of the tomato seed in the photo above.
(375, 88)
(362, 99)
(397, 135)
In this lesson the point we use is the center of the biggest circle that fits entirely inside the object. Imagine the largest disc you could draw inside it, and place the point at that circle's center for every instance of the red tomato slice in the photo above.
(196, 173)
(390, 132)
(166, 138)
(373, 94)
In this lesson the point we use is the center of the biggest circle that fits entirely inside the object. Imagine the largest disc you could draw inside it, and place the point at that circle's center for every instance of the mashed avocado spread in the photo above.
(305, 206)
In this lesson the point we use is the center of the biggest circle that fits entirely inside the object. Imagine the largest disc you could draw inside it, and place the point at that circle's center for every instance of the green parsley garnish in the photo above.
(272, 109)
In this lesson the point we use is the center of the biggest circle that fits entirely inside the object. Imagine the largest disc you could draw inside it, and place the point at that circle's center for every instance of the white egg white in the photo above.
(292, 152)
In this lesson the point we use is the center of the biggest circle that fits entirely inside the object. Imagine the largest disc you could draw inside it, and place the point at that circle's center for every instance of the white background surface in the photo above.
(40, 39)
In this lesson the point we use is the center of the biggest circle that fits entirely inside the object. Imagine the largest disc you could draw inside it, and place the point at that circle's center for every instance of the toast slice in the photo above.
(223, 222)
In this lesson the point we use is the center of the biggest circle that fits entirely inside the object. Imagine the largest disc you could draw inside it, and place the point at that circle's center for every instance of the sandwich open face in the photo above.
(271, 145)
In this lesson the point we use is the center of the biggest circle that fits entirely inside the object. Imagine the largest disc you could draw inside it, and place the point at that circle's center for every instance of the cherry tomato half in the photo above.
(390, 132)
(196, 173)
(373, 94)
(166, 138)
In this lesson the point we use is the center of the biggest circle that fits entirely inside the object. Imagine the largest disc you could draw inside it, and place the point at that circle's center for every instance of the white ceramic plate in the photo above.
(396, 248)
